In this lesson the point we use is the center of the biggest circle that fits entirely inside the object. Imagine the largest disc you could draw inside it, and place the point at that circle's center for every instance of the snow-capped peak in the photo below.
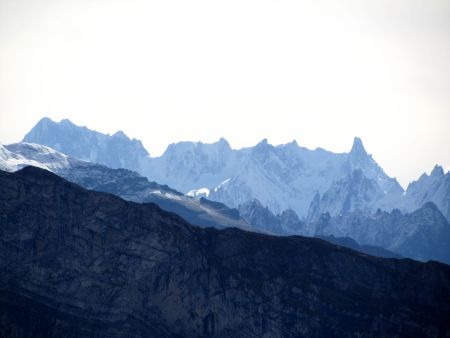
(18, 155)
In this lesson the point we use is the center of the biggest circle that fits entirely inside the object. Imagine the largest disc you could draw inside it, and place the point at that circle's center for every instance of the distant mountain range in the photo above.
(422, 235)
(81, 263)
(309, 182)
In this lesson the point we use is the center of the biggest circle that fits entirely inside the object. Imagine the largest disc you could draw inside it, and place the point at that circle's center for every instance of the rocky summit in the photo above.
(80, 263)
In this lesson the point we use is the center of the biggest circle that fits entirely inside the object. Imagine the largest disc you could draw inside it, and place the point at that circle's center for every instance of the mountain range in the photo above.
(81, 263)
(134, 187)
(422, 235)
(97, 238)
(380, 236)
(309, 182)
(281, 190)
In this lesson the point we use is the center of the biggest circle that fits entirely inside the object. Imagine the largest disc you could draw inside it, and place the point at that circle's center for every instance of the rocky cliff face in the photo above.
(78, 263)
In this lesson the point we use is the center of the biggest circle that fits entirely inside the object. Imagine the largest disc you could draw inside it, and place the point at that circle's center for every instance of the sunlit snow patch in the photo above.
(197, 193)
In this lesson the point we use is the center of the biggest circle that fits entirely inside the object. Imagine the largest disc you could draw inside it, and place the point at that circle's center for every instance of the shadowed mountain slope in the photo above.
(121, 182)
(79, 263)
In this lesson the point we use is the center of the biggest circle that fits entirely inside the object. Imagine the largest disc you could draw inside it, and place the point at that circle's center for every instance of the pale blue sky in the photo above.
(319, 72)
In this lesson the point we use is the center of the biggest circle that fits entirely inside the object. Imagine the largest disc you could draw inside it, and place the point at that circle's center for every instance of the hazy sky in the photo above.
(319, 72)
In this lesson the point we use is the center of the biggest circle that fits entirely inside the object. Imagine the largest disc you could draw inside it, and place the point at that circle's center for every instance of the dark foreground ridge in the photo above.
(79, 263)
